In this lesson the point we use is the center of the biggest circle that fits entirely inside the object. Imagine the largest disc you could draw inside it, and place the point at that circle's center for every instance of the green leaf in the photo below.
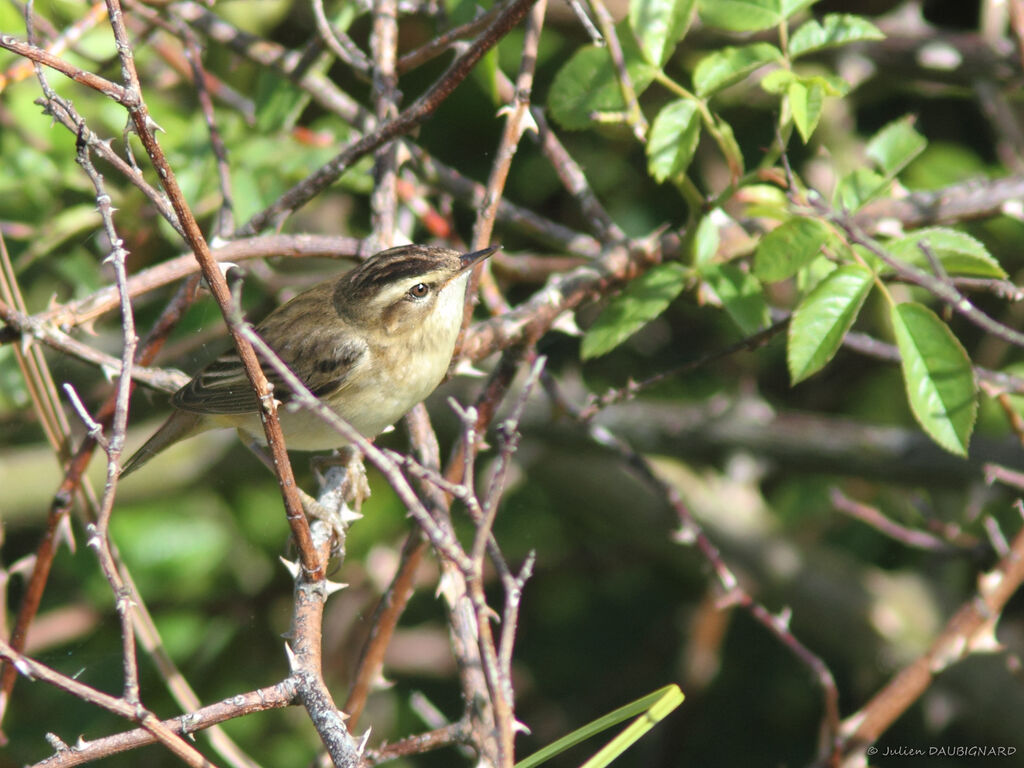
(748, 15)
(729, 147)
(278, 103)
(486, 74)
(788, 247)
(653, 707)
(724, 67)
(805, 102)
(673, 139)
(937, 371)
(642, 300)
(777, 81)
(741, 295)
(959, 253)
(857, 188)
(659, 25)
(833, 30)
(763, 201)
(588, 84)
(705, 242)
(822, 319)
(893, 147)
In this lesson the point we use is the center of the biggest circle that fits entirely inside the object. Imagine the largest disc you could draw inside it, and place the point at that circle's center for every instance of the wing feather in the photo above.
(323, 357)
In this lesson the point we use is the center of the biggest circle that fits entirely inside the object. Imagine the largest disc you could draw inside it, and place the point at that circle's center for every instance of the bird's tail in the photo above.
(179, 425)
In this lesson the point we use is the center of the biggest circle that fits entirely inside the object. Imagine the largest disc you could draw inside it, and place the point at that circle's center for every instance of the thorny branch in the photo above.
(607, 260)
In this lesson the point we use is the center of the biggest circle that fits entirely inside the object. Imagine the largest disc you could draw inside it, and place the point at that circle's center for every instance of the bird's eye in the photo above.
(419, 290)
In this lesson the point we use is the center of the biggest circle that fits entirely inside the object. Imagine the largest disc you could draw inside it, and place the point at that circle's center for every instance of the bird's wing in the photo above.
(322, 361)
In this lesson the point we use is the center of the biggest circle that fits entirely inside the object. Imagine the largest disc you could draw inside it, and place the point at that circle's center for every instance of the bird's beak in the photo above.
(470, 260)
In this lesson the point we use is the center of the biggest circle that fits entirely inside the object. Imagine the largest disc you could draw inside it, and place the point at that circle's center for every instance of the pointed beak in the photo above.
(470, 260)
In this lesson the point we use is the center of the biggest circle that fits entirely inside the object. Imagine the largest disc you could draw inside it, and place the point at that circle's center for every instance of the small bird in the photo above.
(370, 344)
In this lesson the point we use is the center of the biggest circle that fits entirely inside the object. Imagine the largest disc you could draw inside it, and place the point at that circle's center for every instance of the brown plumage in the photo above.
(370, 344)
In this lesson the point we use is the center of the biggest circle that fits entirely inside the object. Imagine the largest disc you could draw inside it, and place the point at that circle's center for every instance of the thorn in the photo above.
(528, 123)
(349, 515)
(293, 660)
(89, 326)
(362, 741)
(465, 368)
(293, 567)
(330, 587)
(566, 323)
(153, 125)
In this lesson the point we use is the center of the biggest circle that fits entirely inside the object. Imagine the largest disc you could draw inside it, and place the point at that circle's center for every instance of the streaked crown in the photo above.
(412, 274)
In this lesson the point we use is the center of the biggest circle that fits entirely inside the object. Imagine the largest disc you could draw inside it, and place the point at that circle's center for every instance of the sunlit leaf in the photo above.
(588, 84)
(833, 30)
(659, 25)
(938, 376)
(822, 319)
(748, 15)
(741, 294)
(726, 66)
(805, 102)
(642, 300)
(896, 145)
(788, 247)
(673, 139)
(957, 252)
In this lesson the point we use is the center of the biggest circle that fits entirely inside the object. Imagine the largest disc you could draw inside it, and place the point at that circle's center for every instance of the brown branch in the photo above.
(139, 114)
(272, 697)
(873, 517)
(82, 311)
(107, 88)
(128, 710)
(417, 112)
(438, 45)
(970, 630)
(966, 201)
(732, 593)
(306, 657)
(384, 47)
(515, 124)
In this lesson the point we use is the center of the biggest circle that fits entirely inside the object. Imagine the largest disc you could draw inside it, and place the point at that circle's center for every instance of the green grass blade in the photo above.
(652, 708)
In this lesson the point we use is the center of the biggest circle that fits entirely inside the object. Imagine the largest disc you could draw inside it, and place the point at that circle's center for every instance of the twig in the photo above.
(516, 123)
(873, 517)
(340, 43)
(412, 116)
(306, 656)
(444, 736)
(970, 630)
(143, 124)
(438, 45)
(384, 47)
(691, 533)
(193, 52)
(129, 710)
(634, 116)
(942, 290)
(271, 697)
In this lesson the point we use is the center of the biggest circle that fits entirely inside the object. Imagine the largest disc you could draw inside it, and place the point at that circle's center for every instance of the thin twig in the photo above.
(412, 116)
